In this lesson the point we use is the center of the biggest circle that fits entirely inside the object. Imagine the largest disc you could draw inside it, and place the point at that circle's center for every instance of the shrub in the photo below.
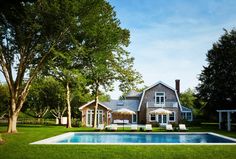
(155, 124)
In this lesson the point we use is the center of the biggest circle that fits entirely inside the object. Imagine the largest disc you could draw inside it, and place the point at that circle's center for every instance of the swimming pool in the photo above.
(138, 138)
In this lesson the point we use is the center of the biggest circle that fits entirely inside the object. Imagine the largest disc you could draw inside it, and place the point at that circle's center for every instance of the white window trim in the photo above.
(91, 114)
(99, 112)
(162, 104)
(174, 117)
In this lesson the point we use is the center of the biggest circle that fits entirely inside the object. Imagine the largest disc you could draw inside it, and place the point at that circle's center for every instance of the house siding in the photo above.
(149, 96)
(91, 107)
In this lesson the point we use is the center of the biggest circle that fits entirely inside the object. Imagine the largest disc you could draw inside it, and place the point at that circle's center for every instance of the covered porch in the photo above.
(228, 118)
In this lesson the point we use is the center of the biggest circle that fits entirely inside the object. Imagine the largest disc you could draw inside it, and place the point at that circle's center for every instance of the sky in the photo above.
(170, 38)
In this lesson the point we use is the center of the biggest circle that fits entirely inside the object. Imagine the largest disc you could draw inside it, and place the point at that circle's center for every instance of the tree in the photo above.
(32, 34)
(4, 102)
(188, 98)
(217, 80)
(44, 95)
(36, 101)
(107, 60)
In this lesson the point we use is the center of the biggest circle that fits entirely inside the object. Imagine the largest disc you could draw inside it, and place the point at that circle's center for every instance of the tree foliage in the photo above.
(4, 100)
(107, 60)
(46, 94)
(35, 34)
(31, 33)
(188, 98)
(218, 79)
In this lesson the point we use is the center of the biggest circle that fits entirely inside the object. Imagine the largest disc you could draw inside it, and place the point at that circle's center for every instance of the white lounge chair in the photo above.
(148, 127)
(134, 127)
(100, 127)
(182, 127)
(113, 127)
(169, 127)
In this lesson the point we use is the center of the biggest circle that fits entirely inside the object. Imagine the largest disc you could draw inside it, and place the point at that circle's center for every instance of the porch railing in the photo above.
(166, 104)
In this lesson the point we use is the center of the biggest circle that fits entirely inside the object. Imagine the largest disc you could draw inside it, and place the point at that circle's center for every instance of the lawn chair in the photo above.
(182, 127)
(113, 127)
(169, 127)
(148, 127)
(134, 127)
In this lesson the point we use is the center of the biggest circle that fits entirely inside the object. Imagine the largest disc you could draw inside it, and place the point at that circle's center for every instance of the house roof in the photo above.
(118, 104)
(159, 82)
(85, 105)
(185, 109)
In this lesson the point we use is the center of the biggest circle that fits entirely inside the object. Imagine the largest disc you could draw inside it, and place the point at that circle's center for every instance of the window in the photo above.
(172, 116)
(164, 118)
(160, 118)
(120, 103)
(152, 117)
(189, 116)
(160, 98)
(90, 117)
(134, 118)
(100, 116)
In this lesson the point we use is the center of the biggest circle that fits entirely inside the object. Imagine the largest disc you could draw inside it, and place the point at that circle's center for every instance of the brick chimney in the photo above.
(177, 86)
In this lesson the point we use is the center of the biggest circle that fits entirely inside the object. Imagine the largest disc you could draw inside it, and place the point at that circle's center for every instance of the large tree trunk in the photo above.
(12, 121)
(95, 110)
(15, 107)
(68, 106)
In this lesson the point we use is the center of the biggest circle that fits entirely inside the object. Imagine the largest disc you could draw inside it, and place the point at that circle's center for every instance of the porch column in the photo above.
(107, 118)
(220, 119)
(111, 119)
(228, 121)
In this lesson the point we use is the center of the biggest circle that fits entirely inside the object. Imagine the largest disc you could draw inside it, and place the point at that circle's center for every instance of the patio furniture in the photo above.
(124, 111)
(100, 127)
(134, 127)
(148, 127)
(182, 127)
(118, 121)
(169, 127)
(113, 127)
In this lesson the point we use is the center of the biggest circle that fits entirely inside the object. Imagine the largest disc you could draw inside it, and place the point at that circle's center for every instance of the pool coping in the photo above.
(52, 140)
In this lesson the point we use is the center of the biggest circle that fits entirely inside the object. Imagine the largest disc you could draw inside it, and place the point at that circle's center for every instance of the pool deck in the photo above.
(53, 140)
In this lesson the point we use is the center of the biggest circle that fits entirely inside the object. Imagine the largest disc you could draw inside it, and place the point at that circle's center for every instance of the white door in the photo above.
(90, 117)
(163, 119)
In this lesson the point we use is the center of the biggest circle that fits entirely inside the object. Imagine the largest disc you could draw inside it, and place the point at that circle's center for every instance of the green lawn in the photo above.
(17, 146)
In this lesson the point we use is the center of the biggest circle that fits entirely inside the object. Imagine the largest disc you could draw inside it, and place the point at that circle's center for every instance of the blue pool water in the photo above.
(144, 138)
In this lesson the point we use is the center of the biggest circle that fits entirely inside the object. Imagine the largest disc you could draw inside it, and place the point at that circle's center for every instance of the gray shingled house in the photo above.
(159, 95)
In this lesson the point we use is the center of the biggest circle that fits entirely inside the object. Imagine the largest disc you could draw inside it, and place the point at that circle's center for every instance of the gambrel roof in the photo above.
(162, 83)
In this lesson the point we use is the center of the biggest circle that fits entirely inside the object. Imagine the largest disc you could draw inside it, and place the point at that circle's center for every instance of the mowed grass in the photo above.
(17, 146)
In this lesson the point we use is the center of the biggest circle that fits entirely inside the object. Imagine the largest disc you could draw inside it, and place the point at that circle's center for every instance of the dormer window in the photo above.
(160, 98)
(120, 103)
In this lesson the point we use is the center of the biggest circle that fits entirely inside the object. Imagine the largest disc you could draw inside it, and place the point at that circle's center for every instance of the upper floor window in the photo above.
(160, 98)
